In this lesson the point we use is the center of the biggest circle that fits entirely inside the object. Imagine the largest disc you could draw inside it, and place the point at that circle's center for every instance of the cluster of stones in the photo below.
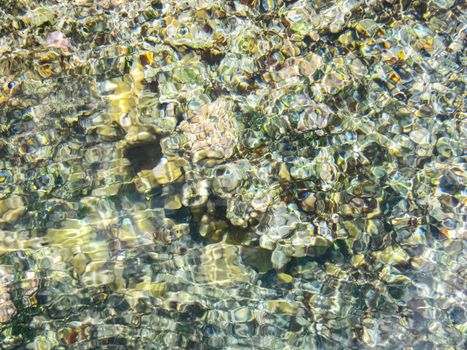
(232, 173)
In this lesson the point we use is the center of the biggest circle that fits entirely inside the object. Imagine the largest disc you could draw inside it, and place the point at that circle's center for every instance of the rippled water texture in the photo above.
(235, 174)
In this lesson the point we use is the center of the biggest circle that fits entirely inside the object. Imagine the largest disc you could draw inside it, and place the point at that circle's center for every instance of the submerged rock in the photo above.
(11, 209)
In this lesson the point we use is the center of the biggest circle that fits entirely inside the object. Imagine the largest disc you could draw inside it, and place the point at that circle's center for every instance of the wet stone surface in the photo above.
(232, 174)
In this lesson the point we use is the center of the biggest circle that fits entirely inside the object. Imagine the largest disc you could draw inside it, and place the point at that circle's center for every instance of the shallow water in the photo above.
(232, 174)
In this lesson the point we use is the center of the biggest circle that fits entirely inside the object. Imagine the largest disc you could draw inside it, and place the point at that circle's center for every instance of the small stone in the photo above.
(58, 39)
(173, 202)
(282, 306)
(11, 209)
(420, 136)
(308, 204)
(393, 256)
(242, 314)
(284, 173)
(284, 278)
(318, 246)
(145, 181)
(279, 259)
(39, 16)
(166, 172)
